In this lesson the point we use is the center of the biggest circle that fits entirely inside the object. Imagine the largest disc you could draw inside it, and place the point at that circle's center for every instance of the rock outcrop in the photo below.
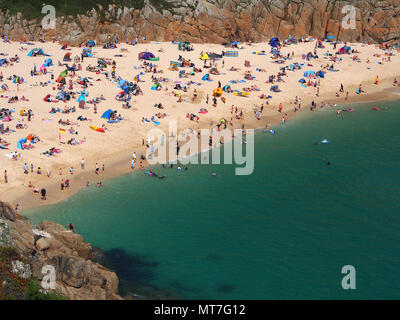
(218, 21)
(50, 245)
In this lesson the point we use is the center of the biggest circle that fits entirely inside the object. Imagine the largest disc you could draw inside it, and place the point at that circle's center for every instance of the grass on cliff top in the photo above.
(32, 9)
(12, 287)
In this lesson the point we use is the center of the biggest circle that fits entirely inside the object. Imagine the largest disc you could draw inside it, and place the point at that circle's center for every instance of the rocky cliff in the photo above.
(216, 21)
(25, 250)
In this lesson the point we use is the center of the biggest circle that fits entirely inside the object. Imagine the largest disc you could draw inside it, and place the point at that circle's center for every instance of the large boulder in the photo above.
(7, 212)
(215, 21)
(42, 244)
(73, 271)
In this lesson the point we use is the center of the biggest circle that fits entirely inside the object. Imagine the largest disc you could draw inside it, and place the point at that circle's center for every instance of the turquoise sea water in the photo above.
(284, 232)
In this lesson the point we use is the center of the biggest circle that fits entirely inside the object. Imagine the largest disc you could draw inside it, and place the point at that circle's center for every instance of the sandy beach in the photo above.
(115, 146)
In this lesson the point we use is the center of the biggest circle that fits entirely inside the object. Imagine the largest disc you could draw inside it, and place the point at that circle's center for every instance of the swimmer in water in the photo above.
(214, 174)
(327, 162)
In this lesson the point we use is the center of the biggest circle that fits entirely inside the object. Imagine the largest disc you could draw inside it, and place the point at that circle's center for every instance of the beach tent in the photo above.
(109, 114)
(206, 77)
(302, 80)
(90, 44)
(344, 50)
(330, 38)
(146, 56)
(3, 61)
(67, 56)
(82, 96)
(184, 45)
(48, 63)
(121, 83)
(204, 56)
(20, 144)
(275, 89)
(274, 42)
(217, 92)
(18, 80)
(64, 47)
(321, 74)
(36, 52)
(102, 63)
(61, 77)
(309, 74)
(87, 52)
(226, 88)
(63, 74)
(156, 86)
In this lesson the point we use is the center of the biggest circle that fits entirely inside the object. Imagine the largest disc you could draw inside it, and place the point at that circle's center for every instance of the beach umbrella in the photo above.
(330, 37)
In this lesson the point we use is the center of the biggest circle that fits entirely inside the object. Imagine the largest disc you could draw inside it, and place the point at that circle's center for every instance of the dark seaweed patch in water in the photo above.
(213, 257)
(130, 266)
(226, 288)
(134, 273)
(182, 287)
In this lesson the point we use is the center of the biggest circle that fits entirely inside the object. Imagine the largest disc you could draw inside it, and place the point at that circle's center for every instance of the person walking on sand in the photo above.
(83, 164)
(5, 176)
(97, 169)
(377, 80)
(43, 193)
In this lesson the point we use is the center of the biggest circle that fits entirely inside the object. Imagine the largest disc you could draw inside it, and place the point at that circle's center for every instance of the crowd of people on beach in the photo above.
(72, 87)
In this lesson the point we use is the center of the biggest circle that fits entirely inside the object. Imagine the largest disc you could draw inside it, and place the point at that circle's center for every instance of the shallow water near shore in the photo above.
(284, 232)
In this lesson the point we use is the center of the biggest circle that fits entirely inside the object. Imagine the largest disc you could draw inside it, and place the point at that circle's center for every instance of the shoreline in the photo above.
(115, 147)
(120, 165)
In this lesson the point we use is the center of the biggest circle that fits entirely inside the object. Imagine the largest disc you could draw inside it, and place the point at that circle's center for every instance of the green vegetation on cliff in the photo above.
(32, 9)
(14, 287)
